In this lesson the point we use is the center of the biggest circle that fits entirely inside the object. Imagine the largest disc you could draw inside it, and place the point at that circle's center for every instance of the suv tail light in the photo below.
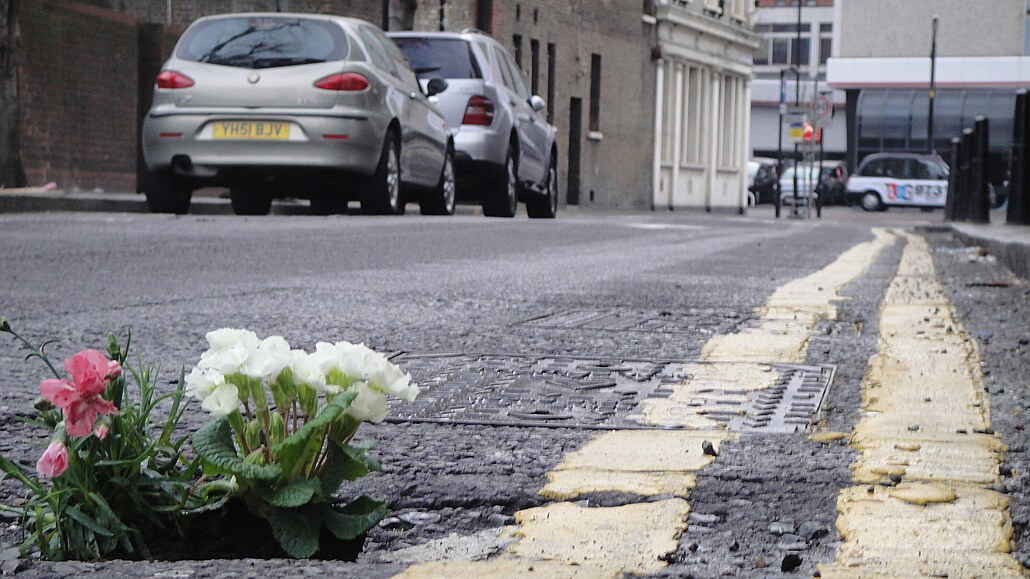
(172, 79)
(479, 111)
(346, 81)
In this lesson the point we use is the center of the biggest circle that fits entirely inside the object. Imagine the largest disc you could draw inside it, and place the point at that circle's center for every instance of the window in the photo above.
(825, 48)
(552, 63)
(781, 51)
(695, 115)
(376, 51)
(501, 71)
(534, 60)
(440, 57)
(264, 42)
(595, 92)
(762, 54)
(874, 169)
(516, 43)
(802, 58)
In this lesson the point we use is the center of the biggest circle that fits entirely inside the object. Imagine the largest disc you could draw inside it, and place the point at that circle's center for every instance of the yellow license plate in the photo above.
(251, 130)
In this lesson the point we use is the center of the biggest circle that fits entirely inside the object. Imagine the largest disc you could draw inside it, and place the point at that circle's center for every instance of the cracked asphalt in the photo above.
(765, 507)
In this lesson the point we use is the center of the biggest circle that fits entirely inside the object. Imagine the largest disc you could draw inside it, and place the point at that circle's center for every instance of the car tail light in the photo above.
(479, 111)
(347, 81)
(172, 79)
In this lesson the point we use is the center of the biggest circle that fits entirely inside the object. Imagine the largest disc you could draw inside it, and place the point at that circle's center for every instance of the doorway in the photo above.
(575, 139)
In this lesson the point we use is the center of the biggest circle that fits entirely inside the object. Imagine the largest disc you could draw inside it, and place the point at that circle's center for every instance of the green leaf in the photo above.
(346, 463)
(214, 443)
(297, 530)
(294, 495)
(87, 521)
(291, 452)
(355, 518)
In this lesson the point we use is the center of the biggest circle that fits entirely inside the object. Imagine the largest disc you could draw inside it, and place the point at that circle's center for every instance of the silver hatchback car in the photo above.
(310, 106)
(505, 149)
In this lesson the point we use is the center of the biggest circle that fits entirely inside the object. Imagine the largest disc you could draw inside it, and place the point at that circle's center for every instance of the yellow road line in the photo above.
(923, 402)
(567, 540)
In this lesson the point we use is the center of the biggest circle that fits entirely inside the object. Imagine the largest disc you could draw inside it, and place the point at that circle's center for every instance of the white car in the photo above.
(888, 180)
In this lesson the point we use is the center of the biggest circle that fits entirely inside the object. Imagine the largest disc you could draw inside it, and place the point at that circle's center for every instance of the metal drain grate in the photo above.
(641, 320)
(581, 392)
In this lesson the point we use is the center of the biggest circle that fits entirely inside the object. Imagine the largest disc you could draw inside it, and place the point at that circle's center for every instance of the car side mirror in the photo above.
(435, 86)
(537, 103)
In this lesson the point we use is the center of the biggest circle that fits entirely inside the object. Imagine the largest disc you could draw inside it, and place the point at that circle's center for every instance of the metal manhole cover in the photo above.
(582, 392)
(642, 320)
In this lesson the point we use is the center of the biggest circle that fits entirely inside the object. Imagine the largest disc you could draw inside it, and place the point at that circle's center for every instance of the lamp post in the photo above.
(930, 145)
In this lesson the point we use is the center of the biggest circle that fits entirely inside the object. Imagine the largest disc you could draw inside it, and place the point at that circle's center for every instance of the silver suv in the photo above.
(505, 149)
(313, 106)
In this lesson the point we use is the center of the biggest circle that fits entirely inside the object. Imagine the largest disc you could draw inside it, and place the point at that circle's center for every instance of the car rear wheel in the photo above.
(871, 202)
(167, 194)
(546, 206)
(502, 198)
(440, 201)
(383, 195)
(250, 202)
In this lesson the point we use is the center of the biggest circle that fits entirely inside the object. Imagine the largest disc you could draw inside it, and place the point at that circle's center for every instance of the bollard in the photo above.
(979, 197)
(953, 181)
(1018, 211)
(962, 199)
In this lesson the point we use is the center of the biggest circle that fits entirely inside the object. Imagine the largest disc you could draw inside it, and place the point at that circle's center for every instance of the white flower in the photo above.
(325, 357)
(223, 400)
(200, 383)
(389, 378)
(268, 359)
(306, 370)
(369, 405)
(229, 350)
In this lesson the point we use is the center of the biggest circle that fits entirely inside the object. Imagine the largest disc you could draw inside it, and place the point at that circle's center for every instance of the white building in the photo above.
(881, 59)
(803, 70)
(702, 113)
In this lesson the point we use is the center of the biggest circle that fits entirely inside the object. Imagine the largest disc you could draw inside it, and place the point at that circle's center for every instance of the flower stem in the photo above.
(37, 352)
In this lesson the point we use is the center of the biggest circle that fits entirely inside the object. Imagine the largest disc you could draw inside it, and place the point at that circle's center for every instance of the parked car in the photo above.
(833, 183)
(311, 106)
(761, 178)
(506, 151)
(899, 180)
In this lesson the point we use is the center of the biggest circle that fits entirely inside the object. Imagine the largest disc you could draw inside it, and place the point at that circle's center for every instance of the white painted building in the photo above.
(702, 96)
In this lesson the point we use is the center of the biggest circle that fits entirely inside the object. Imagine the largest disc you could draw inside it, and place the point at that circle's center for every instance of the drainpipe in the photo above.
(659, 103)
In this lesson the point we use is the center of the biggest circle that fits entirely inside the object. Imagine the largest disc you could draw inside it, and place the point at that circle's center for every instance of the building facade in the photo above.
(881, 59)
(790, 67)
(702, 95)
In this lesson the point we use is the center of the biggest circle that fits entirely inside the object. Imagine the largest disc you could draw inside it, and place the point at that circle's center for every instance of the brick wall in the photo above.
(78, 95)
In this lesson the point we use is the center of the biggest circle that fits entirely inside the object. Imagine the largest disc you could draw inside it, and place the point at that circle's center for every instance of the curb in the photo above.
(1009, 243)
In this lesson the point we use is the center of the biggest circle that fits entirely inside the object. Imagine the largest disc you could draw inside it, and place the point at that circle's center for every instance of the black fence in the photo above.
(970, 193)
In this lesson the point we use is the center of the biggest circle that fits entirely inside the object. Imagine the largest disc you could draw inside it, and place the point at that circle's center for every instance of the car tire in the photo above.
(871, 201)
(166, 194)
(383, 193)
(546, 206)
(502, 197)
(440, 201)
(250, 201)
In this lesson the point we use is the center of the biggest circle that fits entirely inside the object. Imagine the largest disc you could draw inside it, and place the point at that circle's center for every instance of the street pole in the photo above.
(930, 145)
(797, 103)
(779, 146)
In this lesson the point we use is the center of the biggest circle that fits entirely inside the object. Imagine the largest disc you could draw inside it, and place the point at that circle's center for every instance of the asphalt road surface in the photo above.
(615, 310)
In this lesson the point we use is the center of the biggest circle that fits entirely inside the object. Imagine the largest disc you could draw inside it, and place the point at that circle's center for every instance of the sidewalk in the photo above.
(1009, 243)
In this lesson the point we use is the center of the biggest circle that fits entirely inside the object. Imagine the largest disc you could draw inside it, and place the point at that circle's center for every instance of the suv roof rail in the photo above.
(472, 31)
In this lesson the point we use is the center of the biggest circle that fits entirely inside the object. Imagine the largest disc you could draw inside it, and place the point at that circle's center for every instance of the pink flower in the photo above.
(54, 461)
(101, 430)
(114, 369)
(80, 400)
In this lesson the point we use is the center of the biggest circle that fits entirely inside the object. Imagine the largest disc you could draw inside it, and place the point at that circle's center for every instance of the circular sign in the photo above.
(822, 107)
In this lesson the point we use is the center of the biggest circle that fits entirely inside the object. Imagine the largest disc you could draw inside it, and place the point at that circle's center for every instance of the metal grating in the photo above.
(642, 320)
(583, 392)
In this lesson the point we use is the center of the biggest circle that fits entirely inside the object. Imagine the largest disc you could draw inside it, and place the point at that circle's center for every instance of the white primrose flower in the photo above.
(200, 382)
(392, 380)
(268, 359)
(306, 370)
(223, 400)
(369, 405)
(229, 350)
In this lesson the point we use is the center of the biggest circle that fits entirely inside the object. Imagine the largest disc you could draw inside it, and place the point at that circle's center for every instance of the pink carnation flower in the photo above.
(54, 461)
(80, 400)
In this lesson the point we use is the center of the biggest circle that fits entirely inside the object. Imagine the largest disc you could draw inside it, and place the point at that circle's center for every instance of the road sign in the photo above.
(822, 107)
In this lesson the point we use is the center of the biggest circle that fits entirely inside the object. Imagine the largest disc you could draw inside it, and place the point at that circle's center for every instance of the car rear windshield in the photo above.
(439, 57)
(263, 42)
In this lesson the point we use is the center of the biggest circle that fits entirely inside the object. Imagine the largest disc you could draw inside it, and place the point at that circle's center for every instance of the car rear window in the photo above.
(263, 42)
(449, 58)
